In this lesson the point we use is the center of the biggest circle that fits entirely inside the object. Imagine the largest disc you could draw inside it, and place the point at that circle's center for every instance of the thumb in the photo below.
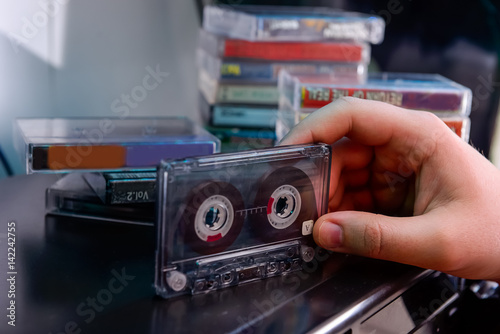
(410, 240)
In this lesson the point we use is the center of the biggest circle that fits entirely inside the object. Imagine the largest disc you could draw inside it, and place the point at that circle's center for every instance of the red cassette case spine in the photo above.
(456, 126)
(317, 97)
(340, 52)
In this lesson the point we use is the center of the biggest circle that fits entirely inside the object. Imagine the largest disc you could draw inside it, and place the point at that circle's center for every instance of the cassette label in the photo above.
(216, 92)
(84, 195)
(281, 23)
(458, 124)
(234, 218)
(130, 188)
(334, 51)
(428, 92)
(240, 70)
(237, 139)
(244, 116)
(439, 101)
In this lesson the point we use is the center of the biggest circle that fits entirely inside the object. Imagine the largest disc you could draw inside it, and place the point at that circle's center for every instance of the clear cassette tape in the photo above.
(58, 145)
(458, 124)
(428, 92)
(323, 51)
(75, 195)
(268, 23)
(252, 116)
(247, 92)
(288, 117)
(233, 218)
(238, 139)
(123, 187)
(233, 69)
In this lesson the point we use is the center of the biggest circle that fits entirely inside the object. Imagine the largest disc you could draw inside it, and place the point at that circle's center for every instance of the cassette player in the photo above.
(228, 219)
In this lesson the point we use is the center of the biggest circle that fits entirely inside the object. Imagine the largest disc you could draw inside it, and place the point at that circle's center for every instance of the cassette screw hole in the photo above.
(290, 252)
(211, 284)
(199, 285)
(177, 281)
(307, 254)
(227, 277)
(288, 265)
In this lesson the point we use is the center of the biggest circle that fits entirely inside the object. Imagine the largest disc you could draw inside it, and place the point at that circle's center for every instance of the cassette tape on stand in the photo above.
(229, 219)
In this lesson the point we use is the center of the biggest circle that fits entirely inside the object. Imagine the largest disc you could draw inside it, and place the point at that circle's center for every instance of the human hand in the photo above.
(443, 197)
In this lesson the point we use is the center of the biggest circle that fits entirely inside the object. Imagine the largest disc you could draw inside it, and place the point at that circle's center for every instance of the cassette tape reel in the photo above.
(233, 218)
(216, 224)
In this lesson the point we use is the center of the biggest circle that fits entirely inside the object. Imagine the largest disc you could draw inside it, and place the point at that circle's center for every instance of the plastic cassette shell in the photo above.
(288, 117)
(267, 23)
(331, 51)
(233, 69)
(244, 92)
(458, 124)
(428, 92)
(238, 139)
(123, 187)
(72, 196)
(250, 116)
(258, 236)
(57, 145)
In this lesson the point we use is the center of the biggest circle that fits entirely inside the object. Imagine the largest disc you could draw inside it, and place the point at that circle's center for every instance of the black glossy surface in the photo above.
(63, 264)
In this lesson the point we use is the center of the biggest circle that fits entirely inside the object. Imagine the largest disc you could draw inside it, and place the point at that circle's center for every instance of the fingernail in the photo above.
(330, 235)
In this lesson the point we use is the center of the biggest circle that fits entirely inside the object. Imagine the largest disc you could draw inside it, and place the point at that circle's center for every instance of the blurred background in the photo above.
(85, 58)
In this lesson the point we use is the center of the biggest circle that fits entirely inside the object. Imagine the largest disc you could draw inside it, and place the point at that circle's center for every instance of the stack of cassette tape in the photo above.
(243, 48)
(221, 219)
(107, 165)
(300, 95)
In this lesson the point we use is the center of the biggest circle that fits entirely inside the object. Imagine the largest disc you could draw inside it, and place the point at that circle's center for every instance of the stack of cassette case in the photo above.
(243, 48)
(302, 94)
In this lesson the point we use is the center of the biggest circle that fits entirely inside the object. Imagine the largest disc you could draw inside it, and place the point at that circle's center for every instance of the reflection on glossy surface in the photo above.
(97, 276)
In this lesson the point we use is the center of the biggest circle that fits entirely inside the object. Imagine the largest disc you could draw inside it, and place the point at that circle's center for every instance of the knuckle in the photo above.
(425, 147)
(372, 239)
(436, 128)
(430, 117)
(346, 101)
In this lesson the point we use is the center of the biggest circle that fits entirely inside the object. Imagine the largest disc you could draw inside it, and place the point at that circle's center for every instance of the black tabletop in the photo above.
(74, 275)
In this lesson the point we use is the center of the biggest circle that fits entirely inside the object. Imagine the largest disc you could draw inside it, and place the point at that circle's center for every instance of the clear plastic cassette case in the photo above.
(428, 92)
(323, 51)
(458, 124)
(54, 145)
(230, 69)
(267, 23)
(74, 196)
(248, 92)
(287, 118)
(251, 116)
(238, 217)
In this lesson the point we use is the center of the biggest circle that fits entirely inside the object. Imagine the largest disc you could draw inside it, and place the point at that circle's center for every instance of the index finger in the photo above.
(367, 122)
